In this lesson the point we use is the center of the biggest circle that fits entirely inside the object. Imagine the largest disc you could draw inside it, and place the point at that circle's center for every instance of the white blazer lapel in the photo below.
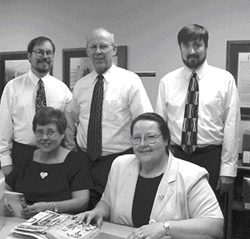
(127, 191)
(165, 190)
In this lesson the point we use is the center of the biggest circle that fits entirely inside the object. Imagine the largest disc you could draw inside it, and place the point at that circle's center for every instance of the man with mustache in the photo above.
(124, 98)
(20, 101)
(215, 145)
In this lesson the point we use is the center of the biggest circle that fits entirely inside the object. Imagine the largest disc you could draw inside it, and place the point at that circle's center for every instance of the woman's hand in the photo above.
(150, 231)
(31, 210)
(89, 216)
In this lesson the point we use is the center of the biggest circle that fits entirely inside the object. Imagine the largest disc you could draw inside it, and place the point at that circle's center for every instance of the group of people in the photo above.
(103, 154)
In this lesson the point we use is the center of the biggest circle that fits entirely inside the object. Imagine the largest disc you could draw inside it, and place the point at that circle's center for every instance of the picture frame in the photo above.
(237, 50)
(12, 65)
(14, 59)
(76, 63)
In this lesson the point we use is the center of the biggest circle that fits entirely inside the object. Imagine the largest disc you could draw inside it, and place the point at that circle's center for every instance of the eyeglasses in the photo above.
(40, 53)
(150, 139)
(50, 133)
(102, 48)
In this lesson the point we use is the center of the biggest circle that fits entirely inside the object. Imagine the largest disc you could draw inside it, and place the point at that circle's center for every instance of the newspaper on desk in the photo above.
(51, 225)
(41, 221)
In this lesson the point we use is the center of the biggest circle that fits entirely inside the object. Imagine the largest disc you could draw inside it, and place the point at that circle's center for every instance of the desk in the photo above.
(109, 228)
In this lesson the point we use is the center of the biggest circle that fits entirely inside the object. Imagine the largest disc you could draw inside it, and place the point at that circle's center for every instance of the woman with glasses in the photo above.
(56, 178)
(155, 192)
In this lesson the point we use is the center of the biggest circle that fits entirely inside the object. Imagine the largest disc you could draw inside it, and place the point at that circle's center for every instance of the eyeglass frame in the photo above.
(42, 52)
(101, 47)
(41, 133)
(145, 139)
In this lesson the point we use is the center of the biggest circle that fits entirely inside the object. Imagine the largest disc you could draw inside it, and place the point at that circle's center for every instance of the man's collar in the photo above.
(107, 73)
(199, 71)
(34, 78)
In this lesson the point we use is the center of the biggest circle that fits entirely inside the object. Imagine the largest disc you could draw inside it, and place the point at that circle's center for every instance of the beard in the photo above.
(194, 61)
(43, 65)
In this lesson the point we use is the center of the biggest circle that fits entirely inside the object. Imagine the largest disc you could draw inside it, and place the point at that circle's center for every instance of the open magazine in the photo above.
(51, 225)
(16, 201)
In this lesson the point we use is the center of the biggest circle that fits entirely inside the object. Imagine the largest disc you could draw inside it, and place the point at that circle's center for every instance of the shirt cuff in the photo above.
(228, 170)
(5, 161)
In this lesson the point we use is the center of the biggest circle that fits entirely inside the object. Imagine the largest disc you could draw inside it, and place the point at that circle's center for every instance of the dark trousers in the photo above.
(21, 152)
(99, 171)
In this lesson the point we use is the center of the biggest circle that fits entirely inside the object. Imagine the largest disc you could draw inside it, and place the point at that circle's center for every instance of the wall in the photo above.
(148, 27)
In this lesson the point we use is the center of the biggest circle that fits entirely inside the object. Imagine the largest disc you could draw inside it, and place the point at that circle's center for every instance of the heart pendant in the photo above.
(43, 175)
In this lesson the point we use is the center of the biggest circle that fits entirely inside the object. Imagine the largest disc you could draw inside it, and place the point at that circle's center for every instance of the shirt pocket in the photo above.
(110, 109)
(213, 108)
(116, 110)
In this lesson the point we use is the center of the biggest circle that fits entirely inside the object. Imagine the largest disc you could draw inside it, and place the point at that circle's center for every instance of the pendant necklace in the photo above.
(44, 170)
(43, 175)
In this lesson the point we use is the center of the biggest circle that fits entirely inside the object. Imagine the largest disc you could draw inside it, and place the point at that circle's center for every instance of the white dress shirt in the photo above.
(219, 113)
(124, 99)
(17, 109)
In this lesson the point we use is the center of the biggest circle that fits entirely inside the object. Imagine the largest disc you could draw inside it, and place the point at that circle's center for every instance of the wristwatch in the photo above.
(167, 228)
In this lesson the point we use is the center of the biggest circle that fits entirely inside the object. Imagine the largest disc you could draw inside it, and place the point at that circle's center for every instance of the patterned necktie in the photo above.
(40, 95)
(94, 141)
(190, 122)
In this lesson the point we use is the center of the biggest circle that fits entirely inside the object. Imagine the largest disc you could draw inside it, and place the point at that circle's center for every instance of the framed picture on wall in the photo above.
(76, 63)
(12, 65)
(238, 63)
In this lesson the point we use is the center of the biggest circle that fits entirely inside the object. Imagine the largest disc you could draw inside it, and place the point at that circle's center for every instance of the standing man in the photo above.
(200, 97)
(104, 103)
(21, 98)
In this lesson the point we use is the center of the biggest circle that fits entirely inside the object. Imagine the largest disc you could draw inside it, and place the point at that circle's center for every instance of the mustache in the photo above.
(192, 55)
(43, 60)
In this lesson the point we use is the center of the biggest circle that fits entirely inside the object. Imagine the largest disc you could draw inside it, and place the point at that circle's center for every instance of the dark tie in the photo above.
(40, 95)
(190, 122)
(94, 141)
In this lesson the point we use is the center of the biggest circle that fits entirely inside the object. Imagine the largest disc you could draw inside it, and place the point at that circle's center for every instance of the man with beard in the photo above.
(123, 99)
(215, 145)
(22, 97)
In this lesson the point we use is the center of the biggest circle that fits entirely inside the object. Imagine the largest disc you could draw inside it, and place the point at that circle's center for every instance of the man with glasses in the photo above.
(22, 97)
(104, 103)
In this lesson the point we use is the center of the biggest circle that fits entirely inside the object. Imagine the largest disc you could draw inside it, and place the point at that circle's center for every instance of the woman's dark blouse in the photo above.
(62, 179)
(144, 197)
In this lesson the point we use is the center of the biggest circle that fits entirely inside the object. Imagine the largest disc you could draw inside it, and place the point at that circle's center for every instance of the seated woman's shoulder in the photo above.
(191, 169)
(76, 157)
(125, 159)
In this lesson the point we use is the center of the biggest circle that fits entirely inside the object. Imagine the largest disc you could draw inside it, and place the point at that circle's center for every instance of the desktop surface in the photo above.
(104, 235)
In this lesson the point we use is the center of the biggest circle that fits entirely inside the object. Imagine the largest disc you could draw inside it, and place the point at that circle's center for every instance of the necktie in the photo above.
(94, 140)
(40, 95)
(190, 122)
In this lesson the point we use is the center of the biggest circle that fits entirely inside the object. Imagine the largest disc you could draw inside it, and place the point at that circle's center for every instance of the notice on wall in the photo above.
(243, 77)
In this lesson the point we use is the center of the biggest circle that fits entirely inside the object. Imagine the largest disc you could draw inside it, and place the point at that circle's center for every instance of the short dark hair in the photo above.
(163, 125)
(39, 41)
(193, 32)
(49, 115)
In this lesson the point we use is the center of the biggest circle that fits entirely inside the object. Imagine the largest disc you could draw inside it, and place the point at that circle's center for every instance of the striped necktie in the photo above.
(40, 95)
(94, 140)
(190, 122)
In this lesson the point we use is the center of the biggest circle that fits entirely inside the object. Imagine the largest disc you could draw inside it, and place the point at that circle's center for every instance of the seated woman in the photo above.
(56, 178)
(156, 192)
